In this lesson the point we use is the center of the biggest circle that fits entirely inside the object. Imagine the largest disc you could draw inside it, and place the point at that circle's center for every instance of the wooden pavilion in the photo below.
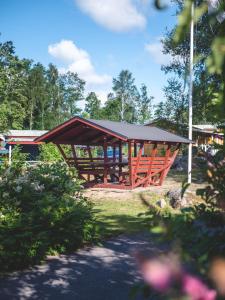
(141, 155)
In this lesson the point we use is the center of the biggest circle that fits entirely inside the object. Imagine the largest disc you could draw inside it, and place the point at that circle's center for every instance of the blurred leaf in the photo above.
(159, 5)
(134, 291)
(199, 11)
(184, 20)
(216, 60)
(158, 230)
(184, 187)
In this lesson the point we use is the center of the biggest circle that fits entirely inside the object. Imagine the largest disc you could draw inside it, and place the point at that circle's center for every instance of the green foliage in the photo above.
(13, 78)
(42, 211)
(49, 153)
(214, 193)
(207, 103)
(72, 89)
(176, 105)
(35, 97)
(185, 18)
(184, 187)
(216, 60)
(190, 233)
(144, 105)
(126, 92)
(191, 230)
(93, 106)
(18, 158)
(12, 115)
(112, 108)
(127, 103)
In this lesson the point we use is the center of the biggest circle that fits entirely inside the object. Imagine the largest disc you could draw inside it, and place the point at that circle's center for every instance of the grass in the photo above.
(116, 216)
(197, 175)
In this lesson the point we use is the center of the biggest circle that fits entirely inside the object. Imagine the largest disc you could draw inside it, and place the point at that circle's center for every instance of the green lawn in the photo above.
(117, 216)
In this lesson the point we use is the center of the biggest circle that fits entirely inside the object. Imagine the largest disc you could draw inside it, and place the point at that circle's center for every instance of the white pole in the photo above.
(10, 154)
(122, 108)
(190, 93)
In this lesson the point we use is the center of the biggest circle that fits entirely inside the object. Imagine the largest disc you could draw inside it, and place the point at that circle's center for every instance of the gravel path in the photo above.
(104, 272)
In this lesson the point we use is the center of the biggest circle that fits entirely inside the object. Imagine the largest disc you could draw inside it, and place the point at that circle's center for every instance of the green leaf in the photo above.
(157, 230)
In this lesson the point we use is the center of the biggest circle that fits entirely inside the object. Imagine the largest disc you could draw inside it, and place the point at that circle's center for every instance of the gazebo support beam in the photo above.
(105, 162)
(130, 164)
(75, 162)
(167, 156)
(138, 160)
(74, 155)
(135, 149)
(120, 161)
(171, 161)
(62, 152)
(153, 154)
(91, 159)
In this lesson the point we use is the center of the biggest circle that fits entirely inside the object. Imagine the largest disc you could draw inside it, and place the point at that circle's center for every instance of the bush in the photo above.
(42, 211)
(49, 153)
(214, 193)
(190, 232)
(19, 157)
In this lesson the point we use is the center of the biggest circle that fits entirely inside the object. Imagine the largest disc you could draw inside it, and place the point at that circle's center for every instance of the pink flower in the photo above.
(196, 290)
(157, 274)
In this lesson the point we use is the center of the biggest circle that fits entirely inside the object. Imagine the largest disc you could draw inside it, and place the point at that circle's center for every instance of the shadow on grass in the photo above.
(117, 224)
(113, 222)
(198, 176)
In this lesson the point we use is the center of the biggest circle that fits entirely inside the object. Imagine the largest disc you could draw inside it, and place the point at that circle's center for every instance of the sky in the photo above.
(95, 38)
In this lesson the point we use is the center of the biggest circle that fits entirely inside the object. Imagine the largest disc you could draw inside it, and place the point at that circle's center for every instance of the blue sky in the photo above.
(97, 38)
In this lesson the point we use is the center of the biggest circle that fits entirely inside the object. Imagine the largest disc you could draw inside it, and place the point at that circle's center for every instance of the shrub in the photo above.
(49, 153)
(197, 233)
(42, 211)
(18, 157)
(214, 193)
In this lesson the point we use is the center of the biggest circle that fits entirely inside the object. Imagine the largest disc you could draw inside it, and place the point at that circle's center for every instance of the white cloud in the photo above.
(78, 61)
(116, 15)
(102, 95)
(156, 52)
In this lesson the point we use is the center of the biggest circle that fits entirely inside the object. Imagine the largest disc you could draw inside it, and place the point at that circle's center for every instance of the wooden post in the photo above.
(114, 161)
(130, 163)
(89, 152)
(114, 153)
(91, 160)
(167, 156)
(120, 161)
(135, 149)
(172, 159)
(137, 161)
(76, 162)
(148, 176)
(63, 153)
(74, 155)
(105, 162)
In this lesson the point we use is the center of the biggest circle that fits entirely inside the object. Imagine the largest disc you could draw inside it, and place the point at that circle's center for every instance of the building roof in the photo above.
(25, 133)
(23, 136)
(202, 128)
(79, 130)
(205, 127)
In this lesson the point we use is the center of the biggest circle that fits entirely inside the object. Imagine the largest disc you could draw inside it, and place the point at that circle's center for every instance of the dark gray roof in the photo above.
(140, 132)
